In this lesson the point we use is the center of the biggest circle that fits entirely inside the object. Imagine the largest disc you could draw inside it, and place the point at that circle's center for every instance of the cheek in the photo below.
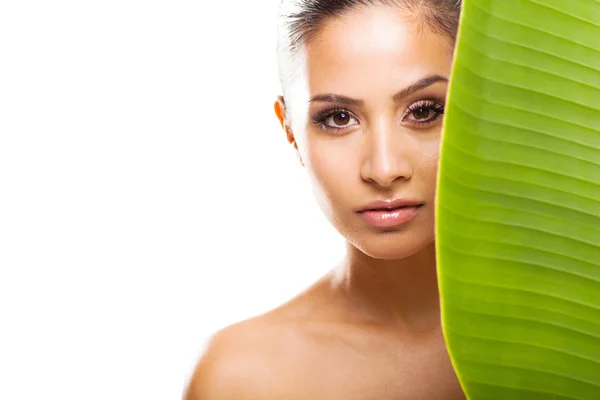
(330, 168)
(322, 163)
(429, 161)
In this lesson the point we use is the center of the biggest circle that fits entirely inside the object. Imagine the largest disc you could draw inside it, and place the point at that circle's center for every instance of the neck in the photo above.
(399, 292)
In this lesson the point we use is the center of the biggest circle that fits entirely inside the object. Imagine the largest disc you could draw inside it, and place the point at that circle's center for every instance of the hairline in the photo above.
(294, 51)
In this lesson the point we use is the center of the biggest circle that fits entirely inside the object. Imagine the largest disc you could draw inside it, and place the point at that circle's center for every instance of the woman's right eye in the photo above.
(336, 120)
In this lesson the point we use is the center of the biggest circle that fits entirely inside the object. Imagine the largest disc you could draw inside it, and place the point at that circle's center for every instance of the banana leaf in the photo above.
(518, 206)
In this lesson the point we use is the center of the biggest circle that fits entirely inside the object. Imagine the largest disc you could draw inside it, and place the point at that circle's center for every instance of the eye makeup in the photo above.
(420, 114)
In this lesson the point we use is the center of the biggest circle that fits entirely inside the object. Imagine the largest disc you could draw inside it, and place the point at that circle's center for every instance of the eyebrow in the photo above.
(407, 91)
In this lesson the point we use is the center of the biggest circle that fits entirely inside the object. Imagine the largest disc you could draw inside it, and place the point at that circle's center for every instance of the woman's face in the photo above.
(366, 117)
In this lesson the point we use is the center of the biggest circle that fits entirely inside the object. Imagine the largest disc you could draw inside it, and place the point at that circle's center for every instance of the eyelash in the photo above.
(321, 117)
(427, 105)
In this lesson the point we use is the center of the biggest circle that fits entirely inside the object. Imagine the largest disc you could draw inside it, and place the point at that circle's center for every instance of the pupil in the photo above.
(422, 113)
(341, 118)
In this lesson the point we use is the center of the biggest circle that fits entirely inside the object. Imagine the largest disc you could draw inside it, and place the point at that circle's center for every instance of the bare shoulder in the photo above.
(235, 363)
(257, 358)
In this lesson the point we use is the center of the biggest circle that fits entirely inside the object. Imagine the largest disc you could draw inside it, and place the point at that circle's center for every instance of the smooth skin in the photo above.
(369, 329)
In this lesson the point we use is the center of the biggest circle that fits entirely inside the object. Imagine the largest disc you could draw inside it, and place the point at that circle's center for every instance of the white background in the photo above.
(147, 194)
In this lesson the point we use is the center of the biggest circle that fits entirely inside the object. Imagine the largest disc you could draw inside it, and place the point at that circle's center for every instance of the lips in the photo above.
(390, 213)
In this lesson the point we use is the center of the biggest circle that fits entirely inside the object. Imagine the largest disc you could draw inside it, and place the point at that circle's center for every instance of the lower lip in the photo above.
(390, 218)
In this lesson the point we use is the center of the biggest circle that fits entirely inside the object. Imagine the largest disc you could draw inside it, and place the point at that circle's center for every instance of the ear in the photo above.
(280, 111)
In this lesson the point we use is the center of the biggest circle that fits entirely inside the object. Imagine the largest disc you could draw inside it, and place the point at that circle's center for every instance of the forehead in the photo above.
(372, 50)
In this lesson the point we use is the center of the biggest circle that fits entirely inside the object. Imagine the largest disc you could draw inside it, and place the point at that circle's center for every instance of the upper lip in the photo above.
(389, 204)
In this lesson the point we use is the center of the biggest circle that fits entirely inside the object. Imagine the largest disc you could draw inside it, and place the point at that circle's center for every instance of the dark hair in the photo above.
(301, 19)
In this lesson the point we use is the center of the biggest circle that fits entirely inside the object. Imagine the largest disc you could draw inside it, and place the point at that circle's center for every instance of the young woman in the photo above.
(364, 84)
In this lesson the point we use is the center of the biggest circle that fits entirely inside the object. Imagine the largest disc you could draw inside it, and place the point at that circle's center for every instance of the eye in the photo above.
(335, 120)
(423, 113)
(339, 119)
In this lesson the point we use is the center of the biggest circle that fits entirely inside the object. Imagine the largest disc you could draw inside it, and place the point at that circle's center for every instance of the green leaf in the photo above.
(518, 207)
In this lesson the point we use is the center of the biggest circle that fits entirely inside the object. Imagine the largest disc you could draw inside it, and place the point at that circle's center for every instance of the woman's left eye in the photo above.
(424, 112)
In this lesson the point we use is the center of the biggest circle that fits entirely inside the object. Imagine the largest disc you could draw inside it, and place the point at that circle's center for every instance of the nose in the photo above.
(386, 155)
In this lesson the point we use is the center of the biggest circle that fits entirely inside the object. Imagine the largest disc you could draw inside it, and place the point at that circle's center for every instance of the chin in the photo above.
(392, 245)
